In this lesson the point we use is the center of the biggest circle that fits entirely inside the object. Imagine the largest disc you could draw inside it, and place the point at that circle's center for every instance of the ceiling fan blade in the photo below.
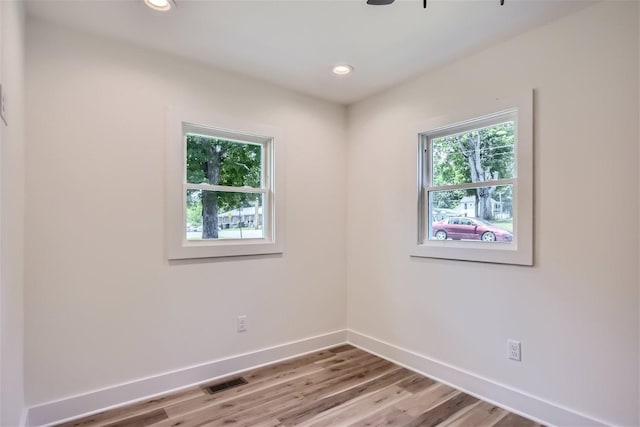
(379, 2)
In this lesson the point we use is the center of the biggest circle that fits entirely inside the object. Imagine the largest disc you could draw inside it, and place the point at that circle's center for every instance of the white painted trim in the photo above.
(124, 394)
(179, 120)
(517, 401)
(24, 418)
(514, 400)
(520, 250)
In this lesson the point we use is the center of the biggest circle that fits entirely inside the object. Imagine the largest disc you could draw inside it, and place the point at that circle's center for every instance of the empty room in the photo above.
(319, 213)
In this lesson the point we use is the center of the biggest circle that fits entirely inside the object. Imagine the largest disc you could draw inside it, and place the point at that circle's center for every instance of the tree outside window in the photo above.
(228, 166)
(472, 172)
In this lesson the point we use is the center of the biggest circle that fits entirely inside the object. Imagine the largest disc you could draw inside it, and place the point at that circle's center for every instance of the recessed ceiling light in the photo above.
(342, 70)
(162, 5)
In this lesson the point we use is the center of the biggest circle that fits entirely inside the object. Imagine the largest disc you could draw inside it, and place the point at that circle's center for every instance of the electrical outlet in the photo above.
(242, 323)
(513, 350)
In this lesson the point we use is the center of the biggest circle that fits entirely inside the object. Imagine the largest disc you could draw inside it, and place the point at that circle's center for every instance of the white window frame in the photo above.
(183, 121)
(520, 250)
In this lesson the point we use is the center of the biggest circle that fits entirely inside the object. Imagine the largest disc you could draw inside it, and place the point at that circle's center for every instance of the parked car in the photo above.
(457, 228)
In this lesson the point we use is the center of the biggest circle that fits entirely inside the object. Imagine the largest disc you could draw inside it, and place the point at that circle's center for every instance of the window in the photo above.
(221, 188)
(475, 185)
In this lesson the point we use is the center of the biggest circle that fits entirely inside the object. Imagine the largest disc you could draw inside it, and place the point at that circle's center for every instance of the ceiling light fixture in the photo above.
(161, 5)
(386, 2)
(342, 70)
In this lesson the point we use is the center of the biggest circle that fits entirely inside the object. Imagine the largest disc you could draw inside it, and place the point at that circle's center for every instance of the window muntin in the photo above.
(460, 160)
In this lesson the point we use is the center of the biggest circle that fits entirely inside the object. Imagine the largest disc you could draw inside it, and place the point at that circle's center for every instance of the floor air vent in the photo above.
(217, 388)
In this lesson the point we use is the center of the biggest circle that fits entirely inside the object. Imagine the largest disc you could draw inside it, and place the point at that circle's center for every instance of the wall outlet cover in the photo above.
(242, 323)
(513, 350)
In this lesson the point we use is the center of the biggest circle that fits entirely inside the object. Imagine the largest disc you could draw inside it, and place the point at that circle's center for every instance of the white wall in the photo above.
(576, 310)
(103, 304)
(11, 214)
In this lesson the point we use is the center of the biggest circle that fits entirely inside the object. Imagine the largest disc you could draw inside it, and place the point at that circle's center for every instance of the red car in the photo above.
(457, 228)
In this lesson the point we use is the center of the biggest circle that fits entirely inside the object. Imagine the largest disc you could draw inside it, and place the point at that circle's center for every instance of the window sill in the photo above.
(496, 252)
(224, 248)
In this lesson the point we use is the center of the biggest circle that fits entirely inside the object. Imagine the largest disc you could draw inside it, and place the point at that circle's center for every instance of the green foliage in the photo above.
(220, 162)
(451, 166)
(447, 199)
(194, 212)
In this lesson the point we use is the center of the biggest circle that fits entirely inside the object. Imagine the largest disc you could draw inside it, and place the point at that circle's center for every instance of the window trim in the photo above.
(179, 123)
(520, 251)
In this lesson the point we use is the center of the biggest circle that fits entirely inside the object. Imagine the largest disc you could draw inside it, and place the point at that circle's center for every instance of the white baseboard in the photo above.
(516, 401)
(24, 418)
(134, 391)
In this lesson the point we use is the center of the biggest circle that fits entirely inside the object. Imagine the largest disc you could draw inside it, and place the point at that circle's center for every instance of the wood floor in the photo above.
(342, 386)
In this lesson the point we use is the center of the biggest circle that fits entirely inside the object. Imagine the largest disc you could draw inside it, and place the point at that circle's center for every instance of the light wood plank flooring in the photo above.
(342, 386)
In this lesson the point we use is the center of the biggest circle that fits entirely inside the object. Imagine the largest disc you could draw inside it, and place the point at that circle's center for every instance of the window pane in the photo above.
(479, 155)
(483, 213)
(220, 162)
(224, 215)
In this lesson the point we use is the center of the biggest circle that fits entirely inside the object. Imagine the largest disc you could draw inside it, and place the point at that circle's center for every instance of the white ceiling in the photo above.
(295, 43)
